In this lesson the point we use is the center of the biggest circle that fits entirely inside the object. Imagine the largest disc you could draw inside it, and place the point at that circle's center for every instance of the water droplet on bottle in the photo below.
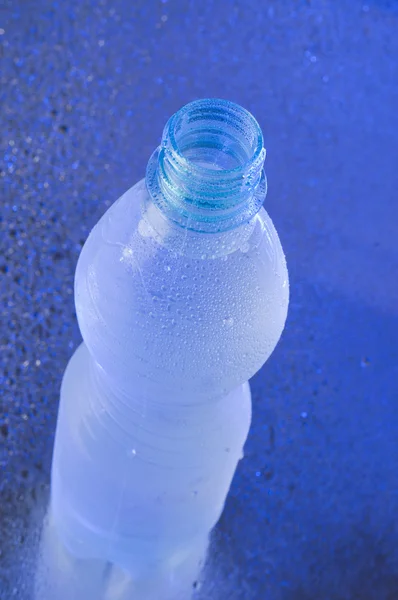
(228, 322)
(245, 248)
(167, 268)
(144, 228)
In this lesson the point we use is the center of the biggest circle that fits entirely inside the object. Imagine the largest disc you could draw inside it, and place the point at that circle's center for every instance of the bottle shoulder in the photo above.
(211, 305)
(132, 223)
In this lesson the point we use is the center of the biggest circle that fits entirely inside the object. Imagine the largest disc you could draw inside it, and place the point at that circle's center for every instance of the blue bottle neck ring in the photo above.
(207, 174)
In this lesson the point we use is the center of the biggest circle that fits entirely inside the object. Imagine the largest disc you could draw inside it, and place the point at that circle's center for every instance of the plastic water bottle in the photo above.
(181, 296)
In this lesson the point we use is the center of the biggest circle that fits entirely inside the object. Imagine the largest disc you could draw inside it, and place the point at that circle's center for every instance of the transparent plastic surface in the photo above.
(155, 404)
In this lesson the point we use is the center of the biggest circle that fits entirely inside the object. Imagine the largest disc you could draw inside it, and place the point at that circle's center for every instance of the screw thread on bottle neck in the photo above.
(207, 175)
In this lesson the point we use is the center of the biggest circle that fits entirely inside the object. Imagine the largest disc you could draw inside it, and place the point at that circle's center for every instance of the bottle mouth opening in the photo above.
(207, 174)
(212, 135)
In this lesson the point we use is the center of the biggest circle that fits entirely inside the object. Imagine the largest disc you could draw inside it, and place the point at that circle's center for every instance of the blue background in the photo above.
(86, 88)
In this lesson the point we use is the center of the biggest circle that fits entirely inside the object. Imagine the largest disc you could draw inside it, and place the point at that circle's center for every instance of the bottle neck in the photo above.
(207, 174)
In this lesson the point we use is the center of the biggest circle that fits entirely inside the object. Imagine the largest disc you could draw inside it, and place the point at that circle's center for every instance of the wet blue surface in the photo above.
(85, 90)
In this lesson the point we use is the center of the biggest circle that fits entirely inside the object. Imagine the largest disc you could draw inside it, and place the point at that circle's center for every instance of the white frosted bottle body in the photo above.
(141, 486)
(155, 407)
